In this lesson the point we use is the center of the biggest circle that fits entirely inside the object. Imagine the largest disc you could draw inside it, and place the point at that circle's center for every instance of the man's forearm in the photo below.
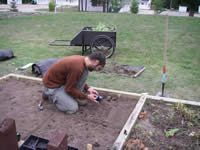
(76, 94)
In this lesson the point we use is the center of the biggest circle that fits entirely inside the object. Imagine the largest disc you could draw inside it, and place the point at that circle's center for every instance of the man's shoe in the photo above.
(45, 97)
(82, 102)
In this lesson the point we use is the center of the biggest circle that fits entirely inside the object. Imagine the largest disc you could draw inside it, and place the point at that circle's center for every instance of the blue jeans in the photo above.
(63, 101)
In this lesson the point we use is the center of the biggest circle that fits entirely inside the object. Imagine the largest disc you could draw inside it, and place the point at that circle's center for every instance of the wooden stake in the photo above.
(166, 37)
(89, 147)
(20, 143)
(165, 56)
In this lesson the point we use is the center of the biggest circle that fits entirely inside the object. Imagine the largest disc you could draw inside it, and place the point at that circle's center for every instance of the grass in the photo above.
(61, 9)
(140, 41)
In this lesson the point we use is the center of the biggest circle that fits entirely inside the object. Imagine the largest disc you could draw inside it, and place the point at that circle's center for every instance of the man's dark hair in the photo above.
(98, 56)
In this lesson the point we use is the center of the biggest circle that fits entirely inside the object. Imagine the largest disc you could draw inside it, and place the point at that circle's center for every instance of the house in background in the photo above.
(105, 6)
(43, 2)
(93, 5)
(59, 2)
(145, 4)
(142, 5)
(9, 1)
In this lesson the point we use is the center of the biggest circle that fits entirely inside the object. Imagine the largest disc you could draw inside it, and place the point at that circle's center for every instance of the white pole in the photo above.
(55, 6)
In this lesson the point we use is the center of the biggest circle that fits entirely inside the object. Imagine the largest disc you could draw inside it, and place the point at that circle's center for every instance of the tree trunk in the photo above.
(79, 5)
(107, 5)
(104, 8)
(191, 13)
(85, 5)
(170, 4)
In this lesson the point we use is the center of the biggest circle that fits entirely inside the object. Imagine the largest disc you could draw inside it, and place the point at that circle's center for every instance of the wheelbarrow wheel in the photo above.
(104, 44)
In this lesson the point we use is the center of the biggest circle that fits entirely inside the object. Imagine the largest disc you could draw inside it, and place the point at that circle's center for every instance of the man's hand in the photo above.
(93, 97)
(92, 91)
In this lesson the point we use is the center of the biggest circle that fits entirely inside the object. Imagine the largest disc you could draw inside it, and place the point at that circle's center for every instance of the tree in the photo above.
(115, 5)
(134, 7)
(52, 5)
(171, 4)
(192, 5)
(158, 5)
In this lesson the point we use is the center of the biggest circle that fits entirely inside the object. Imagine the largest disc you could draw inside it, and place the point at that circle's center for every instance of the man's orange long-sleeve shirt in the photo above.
(66, 71)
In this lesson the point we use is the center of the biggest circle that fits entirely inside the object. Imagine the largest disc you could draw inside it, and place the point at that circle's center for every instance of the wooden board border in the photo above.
(126, 130)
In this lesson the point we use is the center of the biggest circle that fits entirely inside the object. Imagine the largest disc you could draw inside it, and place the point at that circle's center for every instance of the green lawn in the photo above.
(140, 41)
(61, 9)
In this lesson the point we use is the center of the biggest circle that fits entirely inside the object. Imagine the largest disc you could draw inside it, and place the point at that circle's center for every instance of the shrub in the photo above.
(52, 5)
(13, 6)
(134, 7)
(158, 5)
(115, 5)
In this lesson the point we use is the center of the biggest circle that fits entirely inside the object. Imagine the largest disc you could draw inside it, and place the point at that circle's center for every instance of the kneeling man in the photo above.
(64, 82)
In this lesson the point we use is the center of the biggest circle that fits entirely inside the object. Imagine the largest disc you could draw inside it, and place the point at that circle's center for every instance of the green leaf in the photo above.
(190, 124)
(103, 27)
(150, 133)
(171, 132)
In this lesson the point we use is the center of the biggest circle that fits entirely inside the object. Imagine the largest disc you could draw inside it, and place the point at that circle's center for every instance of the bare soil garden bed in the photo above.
(97, 124)
(166, 126)
(124, 70)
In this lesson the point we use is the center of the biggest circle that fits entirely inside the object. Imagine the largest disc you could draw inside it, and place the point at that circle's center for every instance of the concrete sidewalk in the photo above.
(33, 8)
(177, 13)
(169, 12)
(24, 7)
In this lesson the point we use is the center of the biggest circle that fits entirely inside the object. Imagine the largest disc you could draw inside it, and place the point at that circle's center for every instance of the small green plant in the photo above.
(171, 114)
(150, 133)
(134, 7)
(187, 113)
(171, 132)
(190, 124)
(158, 5)
(52, 5)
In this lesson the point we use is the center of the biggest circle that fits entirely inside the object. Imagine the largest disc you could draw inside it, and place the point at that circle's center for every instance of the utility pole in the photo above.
(171, 4)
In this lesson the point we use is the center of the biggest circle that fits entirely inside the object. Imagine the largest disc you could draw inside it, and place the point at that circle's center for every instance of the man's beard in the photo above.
(90, 68)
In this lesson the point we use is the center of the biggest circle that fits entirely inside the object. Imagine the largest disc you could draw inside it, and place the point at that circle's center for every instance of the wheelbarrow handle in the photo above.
(53, 43)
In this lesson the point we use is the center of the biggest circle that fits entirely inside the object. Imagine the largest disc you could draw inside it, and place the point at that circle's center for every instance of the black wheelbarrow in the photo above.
(94, 41)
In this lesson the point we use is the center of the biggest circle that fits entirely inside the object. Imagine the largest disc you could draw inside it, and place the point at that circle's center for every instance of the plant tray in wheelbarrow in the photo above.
(102, 27)
(38, 143)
